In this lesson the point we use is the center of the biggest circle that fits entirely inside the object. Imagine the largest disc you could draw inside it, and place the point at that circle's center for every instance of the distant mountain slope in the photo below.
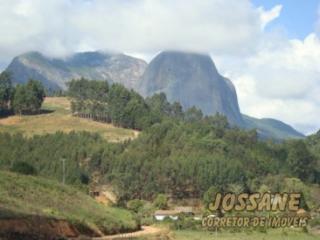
(271, 128)
(193, 80)
(54, 72)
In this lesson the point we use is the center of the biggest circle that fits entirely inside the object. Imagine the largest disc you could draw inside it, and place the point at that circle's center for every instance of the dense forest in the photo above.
(176, 158)
(180, 153)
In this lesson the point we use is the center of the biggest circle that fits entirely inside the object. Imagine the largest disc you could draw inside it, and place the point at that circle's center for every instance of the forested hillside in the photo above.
(182, 159)
(180, 153)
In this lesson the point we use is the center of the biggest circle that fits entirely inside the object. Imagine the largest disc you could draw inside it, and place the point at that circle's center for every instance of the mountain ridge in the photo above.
(56, 72)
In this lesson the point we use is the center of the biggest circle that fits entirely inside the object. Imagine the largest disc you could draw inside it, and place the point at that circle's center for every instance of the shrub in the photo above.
(23, 168)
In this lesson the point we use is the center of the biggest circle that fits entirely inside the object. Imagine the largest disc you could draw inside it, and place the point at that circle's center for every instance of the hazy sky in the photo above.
(270, 49)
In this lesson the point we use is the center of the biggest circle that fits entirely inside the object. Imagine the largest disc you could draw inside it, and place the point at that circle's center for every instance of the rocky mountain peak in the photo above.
(193, 80)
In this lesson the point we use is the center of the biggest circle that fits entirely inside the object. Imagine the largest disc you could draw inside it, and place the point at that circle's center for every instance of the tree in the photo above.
(193, 115)
(36, 95)
(235, 188)
(159, 103)
(300, 160)
(6, 90)
(19, 99)
(28, 98)
(135, 205)
(118, 99)
(176, 110)
(209, 195)
(161, 201)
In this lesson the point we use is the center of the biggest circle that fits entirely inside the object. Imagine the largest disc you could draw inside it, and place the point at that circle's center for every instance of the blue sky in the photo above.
(298, 17)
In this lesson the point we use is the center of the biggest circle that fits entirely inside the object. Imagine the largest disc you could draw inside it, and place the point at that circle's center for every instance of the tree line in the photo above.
(22, 98)
(115, 104)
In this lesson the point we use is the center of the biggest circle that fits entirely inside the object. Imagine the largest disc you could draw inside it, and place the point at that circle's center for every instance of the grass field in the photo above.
(278, 234)
(57, 117)
(26, 195)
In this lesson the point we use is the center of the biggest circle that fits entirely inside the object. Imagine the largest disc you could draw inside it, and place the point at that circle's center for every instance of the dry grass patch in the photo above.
(60, 119)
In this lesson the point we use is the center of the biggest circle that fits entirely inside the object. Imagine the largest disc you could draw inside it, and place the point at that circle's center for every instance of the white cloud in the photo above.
(268, 16)
(282, 82)
(59, 27)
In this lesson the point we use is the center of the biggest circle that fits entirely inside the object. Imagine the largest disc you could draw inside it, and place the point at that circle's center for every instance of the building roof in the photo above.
(184, 209)
(166, 212)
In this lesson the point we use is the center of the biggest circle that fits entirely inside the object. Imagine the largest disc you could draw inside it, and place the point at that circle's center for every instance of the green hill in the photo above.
(22, 197)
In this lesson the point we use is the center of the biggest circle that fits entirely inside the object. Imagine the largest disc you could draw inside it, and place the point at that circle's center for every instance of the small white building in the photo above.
(161, 215)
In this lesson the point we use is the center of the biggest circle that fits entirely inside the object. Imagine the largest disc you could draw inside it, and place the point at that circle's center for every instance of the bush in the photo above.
(161, 201)
(135, 205)
(185, 223)
(23, 168)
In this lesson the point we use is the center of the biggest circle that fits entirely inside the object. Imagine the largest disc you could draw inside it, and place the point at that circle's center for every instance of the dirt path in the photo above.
(146, 231)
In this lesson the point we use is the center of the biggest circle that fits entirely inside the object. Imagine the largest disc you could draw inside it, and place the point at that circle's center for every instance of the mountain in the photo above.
(193, 80)
(55, 72)
(189, 78)
(271, 128)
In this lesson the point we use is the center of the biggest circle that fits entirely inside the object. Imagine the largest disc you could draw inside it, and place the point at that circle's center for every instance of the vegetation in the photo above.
(6, 92)
(181, 154)
(27, 195)
(313, 143)
(56, 116)
(22, 99)
(45, 154)
(185, 153)
(161, 201)
(277, 234)
(23, 168)
(28, 98)
(117, 105)
(174, 157)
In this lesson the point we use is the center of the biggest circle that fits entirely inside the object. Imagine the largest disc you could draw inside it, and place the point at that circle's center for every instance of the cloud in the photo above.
(282, 82)
(33, 25)
(60, 27)
(182, 24)
(274, 76)
(268, 16)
